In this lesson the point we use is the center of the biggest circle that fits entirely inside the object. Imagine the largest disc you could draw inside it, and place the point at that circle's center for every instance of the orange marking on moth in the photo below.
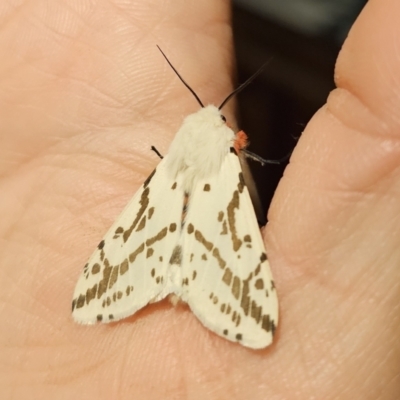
(240, 141)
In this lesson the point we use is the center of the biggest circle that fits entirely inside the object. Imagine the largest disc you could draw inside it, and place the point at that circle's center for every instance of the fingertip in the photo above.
(367, 69)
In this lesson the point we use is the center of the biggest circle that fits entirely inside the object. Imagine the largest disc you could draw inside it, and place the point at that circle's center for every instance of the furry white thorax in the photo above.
(200, 146)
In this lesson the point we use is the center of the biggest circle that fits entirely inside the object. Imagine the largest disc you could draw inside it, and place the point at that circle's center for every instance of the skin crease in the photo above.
(84, 93)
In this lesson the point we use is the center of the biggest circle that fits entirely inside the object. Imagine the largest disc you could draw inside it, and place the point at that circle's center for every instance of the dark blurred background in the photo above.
(301, 40)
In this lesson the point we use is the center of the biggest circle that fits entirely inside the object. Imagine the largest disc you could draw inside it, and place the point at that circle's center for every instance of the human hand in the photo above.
(84, 94)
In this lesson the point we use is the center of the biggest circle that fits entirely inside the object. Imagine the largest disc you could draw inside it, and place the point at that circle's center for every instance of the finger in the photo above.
(333, 222)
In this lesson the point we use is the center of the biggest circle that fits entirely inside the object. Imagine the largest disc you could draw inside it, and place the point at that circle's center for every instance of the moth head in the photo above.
(209, 117)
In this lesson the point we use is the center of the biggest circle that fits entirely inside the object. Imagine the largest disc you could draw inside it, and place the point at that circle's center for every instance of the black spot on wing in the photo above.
(172, 227)
(119, 231)
(241, 184)
(150, 252)
(176, 256)
(95, 268)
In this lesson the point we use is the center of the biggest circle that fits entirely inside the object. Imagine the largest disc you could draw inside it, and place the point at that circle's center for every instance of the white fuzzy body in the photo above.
(200, 146)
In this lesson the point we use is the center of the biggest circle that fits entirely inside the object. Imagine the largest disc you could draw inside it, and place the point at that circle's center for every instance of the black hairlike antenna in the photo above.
(183, 81)
(243, 85)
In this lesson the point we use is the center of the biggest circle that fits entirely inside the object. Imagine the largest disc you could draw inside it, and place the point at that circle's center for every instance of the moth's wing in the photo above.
(253, 192)
(226, 277)
(128, 268)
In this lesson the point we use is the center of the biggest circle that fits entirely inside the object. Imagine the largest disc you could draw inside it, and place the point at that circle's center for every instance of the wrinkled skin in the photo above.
(84, 93)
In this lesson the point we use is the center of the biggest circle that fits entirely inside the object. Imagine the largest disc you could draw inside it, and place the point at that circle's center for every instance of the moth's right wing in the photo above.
(226, 279)
(129, 267)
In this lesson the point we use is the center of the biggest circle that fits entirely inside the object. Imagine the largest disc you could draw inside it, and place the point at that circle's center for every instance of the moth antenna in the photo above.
(243, 85)
(183, 81)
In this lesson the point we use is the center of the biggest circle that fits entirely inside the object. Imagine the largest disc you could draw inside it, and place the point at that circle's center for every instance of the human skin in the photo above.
(84, 93)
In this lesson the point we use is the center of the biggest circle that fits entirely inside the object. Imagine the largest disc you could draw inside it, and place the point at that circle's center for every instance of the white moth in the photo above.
(190, 231)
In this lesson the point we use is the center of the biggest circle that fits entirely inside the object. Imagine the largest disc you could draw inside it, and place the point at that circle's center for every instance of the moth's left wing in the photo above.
(129, 267)
(226, 278)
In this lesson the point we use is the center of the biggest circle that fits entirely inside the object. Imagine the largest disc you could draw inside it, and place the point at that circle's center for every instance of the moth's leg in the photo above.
(157, 152)
(262, 161)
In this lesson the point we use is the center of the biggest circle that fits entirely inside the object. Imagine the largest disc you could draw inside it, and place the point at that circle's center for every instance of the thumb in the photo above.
(334, 233)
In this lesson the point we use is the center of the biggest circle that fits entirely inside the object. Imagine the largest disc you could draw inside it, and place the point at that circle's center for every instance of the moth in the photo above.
(190, 232)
